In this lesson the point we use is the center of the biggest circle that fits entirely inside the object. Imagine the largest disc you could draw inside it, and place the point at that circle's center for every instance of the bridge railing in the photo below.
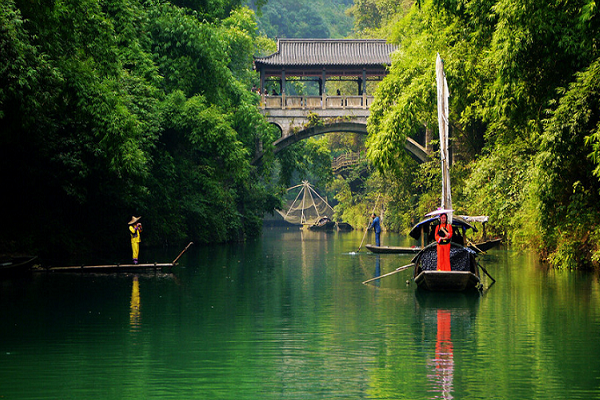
(346, 160)
(316, 102)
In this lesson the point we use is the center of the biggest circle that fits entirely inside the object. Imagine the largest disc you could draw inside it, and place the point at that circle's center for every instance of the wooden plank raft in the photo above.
(117, 267)
(111, 267)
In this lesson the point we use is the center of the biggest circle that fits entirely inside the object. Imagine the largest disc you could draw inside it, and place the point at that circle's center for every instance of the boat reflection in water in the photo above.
(444, 359)
(443, 313)
(134, 308)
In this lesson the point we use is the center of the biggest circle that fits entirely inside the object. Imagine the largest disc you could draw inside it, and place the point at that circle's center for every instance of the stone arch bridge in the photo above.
(317, 62)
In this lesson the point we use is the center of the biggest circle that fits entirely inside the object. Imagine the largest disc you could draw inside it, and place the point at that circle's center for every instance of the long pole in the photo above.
(487, 273)
(302, 219)
(474, 246)
(294, 202)
(367, 228)
(313, 203)
(402, 268)
(180, 254)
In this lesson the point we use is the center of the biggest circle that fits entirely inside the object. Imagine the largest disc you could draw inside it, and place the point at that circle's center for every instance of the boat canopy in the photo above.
(457, 221)
(481, 218)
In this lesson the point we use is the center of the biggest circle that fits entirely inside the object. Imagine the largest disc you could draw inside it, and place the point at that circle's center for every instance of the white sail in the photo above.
(442, 103)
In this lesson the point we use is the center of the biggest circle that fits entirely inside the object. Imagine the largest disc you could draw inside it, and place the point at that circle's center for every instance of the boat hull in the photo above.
(327, 226)
(488, 244)
(447, 281)
(392, 249)
(463, 276)
(344, 227)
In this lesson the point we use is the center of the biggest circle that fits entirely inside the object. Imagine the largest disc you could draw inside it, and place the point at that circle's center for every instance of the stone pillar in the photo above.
(262, 87)
(324, 90)
(262, 81)
(282, 86)
(364, 88)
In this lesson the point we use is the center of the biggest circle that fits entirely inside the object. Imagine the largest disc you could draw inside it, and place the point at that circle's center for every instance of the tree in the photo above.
(522, 136)
(117, 107)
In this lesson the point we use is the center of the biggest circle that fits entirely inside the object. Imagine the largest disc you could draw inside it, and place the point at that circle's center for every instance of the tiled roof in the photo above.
(329, 52)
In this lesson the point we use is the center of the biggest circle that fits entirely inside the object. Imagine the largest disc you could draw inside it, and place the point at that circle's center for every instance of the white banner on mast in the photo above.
(442, 103)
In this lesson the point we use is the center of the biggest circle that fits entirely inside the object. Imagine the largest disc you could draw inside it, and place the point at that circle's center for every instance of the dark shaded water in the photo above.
(286, 317)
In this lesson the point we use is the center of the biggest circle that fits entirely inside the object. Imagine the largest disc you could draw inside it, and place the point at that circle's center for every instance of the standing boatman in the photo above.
(376, 225)
(135, 228)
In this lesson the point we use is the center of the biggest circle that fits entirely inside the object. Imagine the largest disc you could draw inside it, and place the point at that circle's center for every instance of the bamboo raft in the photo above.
(117, 267)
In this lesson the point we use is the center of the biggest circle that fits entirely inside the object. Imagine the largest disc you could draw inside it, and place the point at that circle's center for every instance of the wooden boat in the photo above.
(485, 245)
(17, 265)
(464, 273)
(463, 276)
(323, 224)
(344, 227)
(392, 249)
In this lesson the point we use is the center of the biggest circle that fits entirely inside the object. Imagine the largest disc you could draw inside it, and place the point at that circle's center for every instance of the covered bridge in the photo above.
(319, 60)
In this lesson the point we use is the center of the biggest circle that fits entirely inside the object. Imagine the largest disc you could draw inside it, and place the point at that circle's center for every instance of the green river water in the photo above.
(287, 317)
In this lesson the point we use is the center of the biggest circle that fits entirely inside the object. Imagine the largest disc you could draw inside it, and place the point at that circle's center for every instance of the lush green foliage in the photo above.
(113, 108)
(303, 18)
(568, 183)
(308, 160)
(523, 78)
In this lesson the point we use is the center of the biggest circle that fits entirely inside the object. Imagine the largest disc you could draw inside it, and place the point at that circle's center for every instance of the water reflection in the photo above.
(445, 312)
(377, 282)
(443, 375)
(134, 308)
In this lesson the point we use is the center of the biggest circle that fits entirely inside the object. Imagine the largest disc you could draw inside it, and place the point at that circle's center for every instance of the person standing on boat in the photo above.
(376, 225)
(135, 228)
(443, 237)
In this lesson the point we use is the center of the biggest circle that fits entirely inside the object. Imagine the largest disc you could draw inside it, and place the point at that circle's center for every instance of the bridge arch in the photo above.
(315, 62)
(344, 127)
(416, 151)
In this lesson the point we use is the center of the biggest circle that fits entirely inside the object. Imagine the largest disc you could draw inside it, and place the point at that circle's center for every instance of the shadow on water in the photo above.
(440, 316)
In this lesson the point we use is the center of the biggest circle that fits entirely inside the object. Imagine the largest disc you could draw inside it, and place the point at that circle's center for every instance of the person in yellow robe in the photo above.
(135, 229)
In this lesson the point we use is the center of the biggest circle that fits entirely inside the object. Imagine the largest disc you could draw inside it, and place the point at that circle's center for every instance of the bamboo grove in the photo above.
(524, 114)
(114, 108)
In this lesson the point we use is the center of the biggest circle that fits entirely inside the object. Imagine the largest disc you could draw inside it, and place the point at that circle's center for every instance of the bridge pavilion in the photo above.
(322, 60)
(317, 60)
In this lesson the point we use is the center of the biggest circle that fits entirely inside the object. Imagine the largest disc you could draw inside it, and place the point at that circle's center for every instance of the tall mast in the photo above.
(444, 127)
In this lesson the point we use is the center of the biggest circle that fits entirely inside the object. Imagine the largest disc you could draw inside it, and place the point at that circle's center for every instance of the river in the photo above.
(287, 317)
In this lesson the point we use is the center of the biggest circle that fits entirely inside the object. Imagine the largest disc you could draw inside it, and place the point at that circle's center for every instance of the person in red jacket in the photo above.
(443, 236)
